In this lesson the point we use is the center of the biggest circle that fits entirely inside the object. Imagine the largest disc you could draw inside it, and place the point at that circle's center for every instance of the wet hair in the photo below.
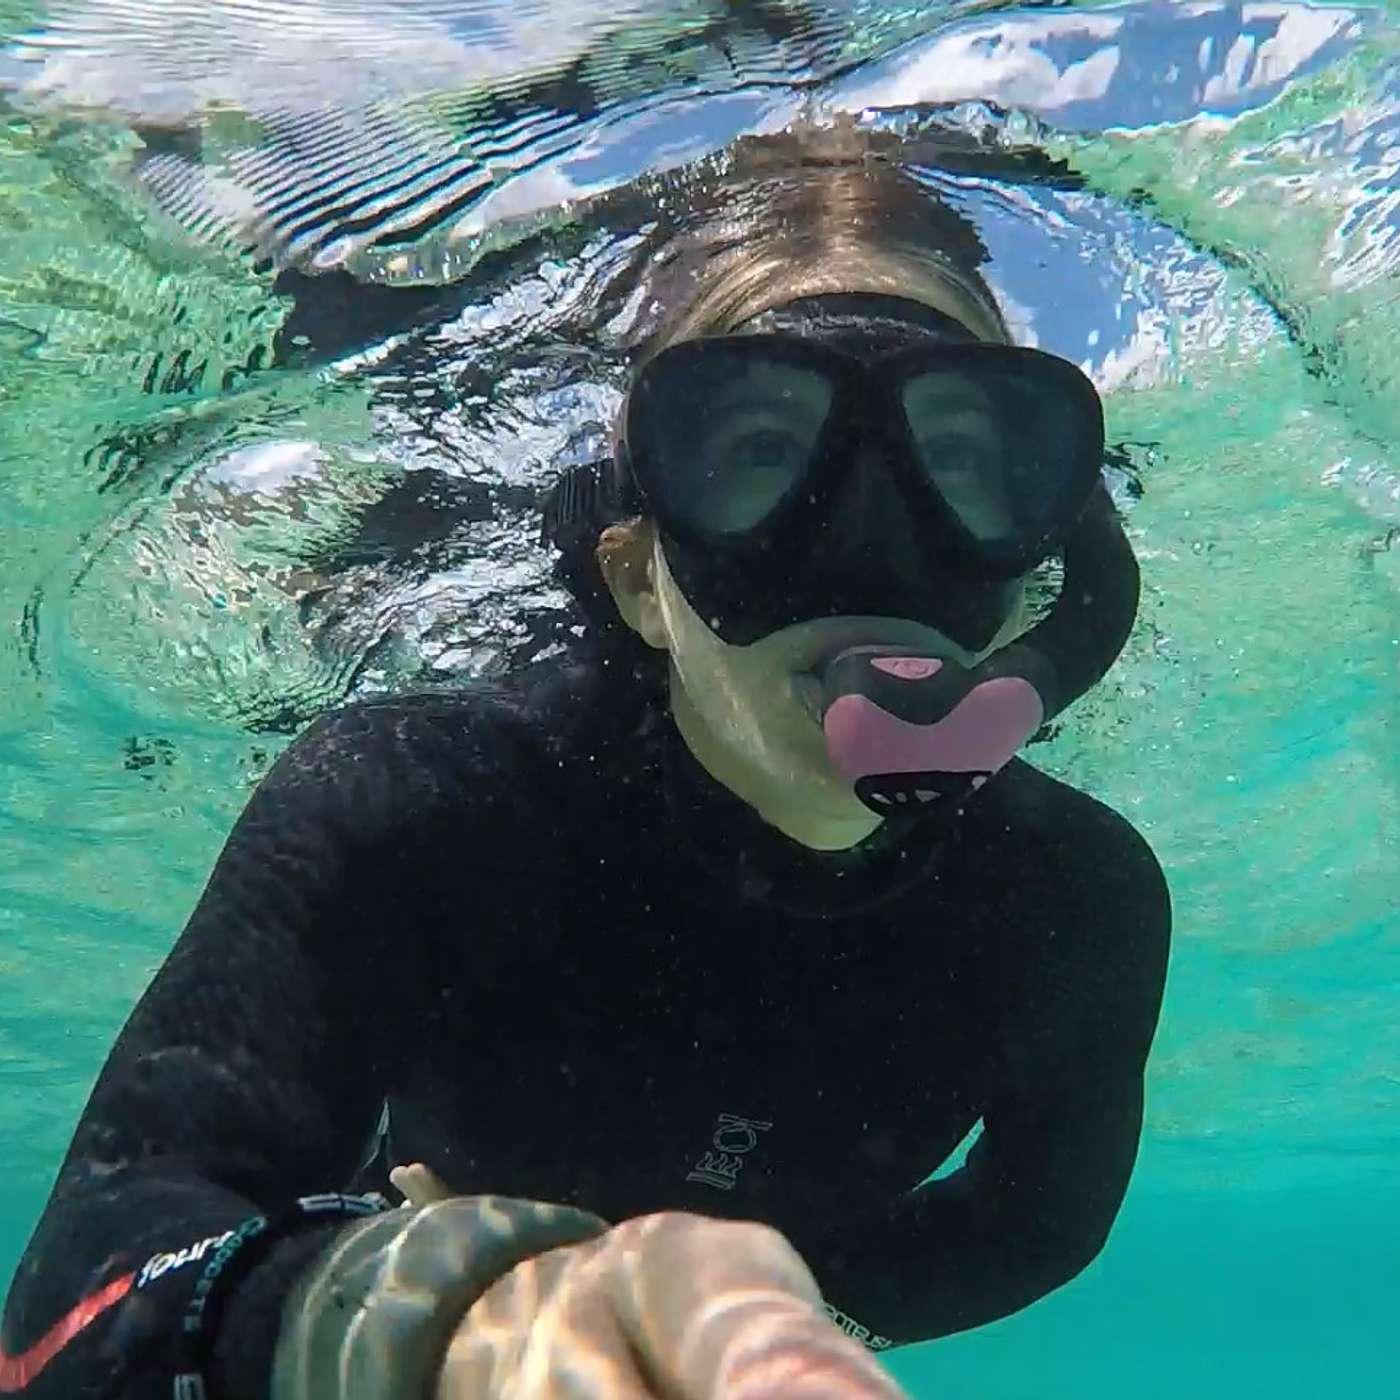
(806, 212)
(810, 212)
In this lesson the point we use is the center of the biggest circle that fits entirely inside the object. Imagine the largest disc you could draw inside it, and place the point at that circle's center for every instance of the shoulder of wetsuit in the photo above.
(1074, 924)
(503, 743)
(1059, 834)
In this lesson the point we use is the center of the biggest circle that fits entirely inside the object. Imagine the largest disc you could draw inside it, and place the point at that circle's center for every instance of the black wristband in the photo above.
(230, 1263)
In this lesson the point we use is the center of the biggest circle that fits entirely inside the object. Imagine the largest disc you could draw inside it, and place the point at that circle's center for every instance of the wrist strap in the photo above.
(227, 1266)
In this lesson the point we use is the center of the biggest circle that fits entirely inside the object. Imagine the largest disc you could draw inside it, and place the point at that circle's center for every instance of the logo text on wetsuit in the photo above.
(733, 1140)
(852, 1328)
(160, 1264)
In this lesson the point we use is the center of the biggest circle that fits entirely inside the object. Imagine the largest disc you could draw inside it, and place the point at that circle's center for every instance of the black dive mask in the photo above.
(880, 463)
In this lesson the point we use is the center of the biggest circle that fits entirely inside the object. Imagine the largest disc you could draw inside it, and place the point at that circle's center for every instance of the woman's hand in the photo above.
(663, 1307)
(671, 1305)
(372, 1317)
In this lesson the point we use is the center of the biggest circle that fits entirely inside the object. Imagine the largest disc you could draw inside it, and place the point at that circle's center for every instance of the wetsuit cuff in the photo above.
(248, 1331)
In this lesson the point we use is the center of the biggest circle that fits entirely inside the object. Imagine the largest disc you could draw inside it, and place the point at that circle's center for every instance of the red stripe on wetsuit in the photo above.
(17, 1371)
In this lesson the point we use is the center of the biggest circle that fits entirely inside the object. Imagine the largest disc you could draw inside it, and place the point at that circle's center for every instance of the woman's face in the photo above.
(751, 714)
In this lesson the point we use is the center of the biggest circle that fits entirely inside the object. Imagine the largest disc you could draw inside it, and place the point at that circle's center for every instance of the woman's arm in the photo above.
(251, 1072)
(1077, 1002)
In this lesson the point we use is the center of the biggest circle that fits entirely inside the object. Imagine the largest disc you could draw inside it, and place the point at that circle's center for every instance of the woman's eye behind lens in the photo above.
(747, 464)
(969, 472)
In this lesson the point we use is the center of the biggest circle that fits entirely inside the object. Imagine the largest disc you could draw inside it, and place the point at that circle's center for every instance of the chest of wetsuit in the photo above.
(687, 1051)
(577, 970)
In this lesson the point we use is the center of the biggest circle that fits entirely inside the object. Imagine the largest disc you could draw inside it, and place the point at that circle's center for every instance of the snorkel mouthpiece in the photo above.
(910, 728)
(907, 728)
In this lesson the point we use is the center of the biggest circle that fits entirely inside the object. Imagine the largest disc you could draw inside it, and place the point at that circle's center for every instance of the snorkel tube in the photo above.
(912, 730)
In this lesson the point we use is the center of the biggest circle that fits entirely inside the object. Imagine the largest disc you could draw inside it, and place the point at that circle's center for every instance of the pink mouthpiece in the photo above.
(979, 735)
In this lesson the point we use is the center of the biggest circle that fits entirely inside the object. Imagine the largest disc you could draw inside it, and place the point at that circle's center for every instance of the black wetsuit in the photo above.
(578, 970)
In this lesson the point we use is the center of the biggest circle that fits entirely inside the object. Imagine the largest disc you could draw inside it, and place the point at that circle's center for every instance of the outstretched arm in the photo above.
(250, 1073)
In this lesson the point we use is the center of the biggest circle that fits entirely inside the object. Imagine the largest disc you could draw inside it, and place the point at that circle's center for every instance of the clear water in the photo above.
(191, 563)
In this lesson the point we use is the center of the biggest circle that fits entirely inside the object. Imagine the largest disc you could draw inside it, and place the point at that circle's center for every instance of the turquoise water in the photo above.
(189, 567)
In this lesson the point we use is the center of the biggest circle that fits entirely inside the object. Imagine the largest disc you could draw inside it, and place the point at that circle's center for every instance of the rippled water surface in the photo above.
(219, 518)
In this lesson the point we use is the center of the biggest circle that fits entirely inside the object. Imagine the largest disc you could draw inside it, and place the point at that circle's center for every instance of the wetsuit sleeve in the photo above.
(251, 1072)
(1032, 1205)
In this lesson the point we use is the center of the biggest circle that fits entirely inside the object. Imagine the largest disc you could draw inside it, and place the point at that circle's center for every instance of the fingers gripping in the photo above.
(727, 1310)
(372, 1319)
(671, 1306)
(548, 1331)
(421, 1185)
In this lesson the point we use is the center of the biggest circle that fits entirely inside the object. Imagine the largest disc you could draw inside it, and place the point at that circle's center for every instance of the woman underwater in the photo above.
(728, 927)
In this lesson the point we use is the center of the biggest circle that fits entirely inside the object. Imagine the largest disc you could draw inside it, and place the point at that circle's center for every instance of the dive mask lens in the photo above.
(1010, 441)
(726, 431)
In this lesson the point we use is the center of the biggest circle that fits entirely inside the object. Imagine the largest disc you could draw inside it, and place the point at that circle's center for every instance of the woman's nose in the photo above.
(870, 513)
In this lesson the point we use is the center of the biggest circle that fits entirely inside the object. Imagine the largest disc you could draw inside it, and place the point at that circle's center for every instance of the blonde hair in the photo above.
(813, 211)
